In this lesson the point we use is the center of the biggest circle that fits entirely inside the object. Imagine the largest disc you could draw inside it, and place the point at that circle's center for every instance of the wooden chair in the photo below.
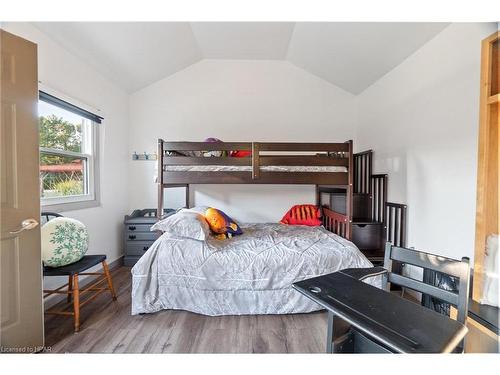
(73, 271)
(394, 255)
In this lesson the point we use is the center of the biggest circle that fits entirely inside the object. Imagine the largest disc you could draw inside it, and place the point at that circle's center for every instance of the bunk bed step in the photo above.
(368, 236)
(330, 189)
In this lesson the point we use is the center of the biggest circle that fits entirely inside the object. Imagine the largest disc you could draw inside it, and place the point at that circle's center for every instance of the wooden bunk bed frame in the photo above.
(264, 154)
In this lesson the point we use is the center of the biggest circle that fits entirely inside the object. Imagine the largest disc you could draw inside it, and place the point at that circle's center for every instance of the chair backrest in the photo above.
(46, 216)
(458, 269)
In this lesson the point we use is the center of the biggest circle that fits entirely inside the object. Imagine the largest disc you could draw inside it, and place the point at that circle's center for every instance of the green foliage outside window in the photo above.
(57, 133)
(69, 187)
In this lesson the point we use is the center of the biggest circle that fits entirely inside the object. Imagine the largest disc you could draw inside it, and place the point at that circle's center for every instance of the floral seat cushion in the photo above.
(64, 241)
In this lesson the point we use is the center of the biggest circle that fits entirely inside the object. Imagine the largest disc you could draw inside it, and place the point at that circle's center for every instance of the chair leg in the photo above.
(70, 287)
(76, 302)
(110, 281)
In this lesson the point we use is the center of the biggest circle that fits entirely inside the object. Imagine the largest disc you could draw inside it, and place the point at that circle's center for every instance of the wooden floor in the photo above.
(108, 327)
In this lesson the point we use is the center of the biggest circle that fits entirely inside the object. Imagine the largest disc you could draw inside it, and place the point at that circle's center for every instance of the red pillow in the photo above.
(302, 214)
(241, 154)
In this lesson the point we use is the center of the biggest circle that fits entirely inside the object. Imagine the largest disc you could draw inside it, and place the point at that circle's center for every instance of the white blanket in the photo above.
(248, 274)
(248, 168)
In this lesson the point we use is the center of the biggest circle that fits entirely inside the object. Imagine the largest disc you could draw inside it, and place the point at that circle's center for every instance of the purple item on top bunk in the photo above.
(213, 153)
(212, 140)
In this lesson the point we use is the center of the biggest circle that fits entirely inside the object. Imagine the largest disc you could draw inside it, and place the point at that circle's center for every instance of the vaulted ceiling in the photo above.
(350, 55)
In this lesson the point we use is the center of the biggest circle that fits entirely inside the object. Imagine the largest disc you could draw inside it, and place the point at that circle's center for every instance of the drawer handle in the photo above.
(132, 227)
(131, 237)
(145, 248)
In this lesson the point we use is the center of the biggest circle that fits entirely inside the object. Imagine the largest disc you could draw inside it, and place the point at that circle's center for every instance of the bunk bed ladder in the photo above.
(362, 172)
(378, 183)
(396, 223)
(375, 220)
(395, 228)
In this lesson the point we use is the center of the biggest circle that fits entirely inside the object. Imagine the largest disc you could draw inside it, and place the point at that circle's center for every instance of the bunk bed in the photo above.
(251, 273)
(325, 165)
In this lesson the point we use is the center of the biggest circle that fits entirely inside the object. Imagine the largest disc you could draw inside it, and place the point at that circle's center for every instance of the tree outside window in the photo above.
(66, 155)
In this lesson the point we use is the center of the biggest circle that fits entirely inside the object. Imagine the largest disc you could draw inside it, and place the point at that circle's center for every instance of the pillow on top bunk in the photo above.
(185, 223)
(302, 214)
(221, 225)
(240, 154)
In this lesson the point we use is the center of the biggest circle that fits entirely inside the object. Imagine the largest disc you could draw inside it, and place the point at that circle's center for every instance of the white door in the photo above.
(21, 301)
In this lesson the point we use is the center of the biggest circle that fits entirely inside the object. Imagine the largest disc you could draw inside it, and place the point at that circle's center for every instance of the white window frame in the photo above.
(90, 148)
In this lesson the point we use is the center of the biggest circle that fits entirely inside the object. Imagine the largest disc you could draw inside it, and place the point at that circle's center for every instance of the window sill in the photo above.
(70, 206)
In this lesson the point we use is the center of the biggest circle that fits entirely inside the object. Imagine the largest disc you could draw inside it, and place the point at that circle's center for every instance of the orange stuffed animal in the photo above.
(221, 224)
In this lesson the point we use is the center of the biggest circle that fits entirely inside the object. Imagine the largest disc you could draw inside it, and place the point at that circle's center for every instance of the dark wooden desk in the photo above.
(398, 324)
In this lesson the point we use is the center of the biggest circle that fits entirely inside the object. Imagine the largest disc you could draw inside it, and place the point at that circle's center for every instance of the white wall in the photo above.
(421, 120)
(61, 71)
(236, 100)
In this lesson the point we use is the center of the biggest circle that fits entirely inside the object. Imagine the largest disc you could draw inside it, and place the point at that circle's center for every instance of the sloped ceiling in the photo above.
(243, 40)
(131, 54)
(354, 55)
(136, 54)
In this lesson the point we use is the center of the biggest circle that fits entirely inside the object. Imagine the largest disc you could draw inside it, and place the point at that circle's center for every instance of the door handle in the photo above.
(27, 224)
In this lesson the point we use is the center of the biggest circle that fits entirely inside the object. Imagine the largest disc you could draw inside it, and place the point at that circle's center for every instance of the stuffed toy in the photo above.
(214, 153)
(302, 214)
(221, 224)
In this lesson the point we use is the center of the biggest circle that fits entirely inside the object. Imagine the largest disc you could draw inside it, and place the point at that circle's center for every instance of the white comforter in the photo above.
(248, 274)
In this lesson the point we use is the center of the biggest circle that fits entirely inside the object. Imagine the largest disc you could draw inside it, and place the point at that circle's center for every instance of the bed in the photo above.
(251, 273)
(248, 274)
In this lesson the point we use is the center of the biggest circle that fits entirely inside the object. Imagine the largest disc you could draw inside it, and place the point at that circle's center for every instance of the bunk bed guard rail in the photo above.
(320, 164)
(256, 167)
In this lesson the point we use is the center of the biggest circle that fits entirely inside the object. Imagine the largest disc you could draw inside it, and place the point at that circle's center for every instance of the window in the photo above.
(68, 155)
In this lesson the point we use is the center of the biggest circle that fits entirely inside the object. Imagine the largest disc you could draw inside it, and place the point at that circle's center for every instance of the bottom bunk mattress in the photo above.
(247, 274)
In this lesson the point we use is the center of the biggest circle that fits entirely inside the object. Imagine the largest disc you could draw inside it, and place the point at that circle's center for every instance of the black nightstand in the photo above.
(138, 236)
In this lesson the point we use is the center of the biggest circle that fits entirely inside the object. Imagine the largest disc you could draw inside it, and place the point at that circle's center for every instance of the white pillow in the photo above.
(184, 223)
(64, 241)
(197, 209)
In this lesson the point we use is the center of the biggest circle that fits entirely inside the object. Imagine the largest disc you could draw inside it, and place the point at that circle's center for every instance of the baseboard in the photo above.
(55, 299)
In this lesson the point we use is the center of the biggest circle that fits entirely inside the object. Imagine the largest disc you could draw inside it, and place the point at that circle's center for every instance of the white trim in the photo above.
(42, 86)
(92, 198)
(71, 206)
(66, 199)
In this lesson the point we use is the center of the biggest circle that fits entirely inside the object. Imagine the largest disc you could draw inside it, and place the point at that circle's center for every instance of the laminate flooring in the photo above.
(108, 327)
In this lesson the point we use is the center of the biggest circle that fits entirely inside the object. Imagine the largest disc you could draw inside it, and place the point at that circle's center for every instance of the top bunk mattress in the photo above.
(248, 168)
